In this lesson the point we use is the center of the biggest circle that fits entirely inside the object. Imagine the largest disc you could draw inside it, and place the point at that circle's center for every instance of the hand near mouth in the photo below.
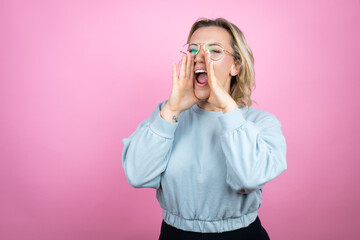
(219, 97)
(182, 95)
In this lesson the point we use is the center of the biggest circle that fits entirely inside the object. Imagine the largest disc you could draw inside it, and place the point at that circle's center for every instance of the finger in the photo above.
(182, 68)
(212, 78)
(188, 66)
(208, 68)
(174, 75)
(192, 70)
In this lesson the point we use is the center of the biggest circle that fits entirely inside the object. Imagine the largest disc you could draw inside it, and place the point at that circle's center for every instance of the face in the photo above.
(224, 68)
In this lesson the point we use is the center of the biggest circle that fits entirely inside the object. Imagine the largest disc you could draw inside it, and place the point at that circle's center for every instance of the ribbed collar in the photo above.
(201, 111)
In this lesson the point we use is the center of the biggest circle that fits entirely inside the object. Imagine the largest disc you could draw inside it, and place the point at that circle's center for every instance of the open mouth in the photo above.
(201, 77)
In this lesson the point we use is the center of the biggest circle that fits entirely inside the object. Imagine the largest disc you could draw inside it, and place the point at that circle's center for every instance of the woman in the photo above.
(205, 150)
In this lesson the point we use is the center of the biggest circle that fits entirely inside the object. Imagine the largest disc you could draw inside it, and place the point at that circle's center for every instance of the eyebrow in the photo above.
(213, 43)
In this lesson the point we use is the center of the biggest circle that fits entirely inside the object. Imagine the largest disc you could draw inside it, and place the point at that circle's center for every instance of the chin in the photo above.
(202, 94)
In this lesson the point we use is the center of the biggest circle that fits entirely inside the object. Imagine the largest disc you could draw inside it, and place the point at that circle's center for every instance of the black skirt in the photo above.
(254, 231)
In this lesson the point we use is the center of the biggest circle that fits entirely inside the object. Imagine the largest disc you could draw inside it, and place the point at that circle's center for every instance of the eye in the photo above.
(215, 51)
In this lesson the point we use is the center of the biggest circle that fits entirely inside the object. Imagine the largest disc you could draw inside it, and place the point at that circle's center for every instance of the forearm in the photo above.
(146, 151)
(255, 153)
(168, 114)
(231, 105)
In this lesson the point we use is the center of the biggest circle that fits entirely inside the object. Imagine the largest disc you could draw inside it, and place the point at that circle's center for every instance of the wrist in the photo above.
(230, 106)
(168, 114)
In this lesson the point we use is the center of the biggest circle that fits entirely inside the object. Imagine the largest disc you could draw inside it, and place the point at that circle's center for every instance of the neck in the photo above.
(208, 106)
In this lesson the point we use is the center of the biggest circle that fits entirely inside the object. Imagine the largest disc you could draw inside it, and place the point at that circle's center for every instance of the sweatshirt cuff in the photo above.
(232, 120)
(162, 127)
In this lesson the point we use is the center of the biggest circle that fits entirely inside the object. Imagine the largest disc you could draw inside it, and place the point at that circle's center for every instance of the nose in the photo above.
(200, 56)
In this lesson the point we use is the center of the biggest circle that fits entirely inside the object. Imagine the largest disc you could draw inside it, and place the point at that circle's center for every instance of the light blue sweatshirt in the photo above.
(209, 168)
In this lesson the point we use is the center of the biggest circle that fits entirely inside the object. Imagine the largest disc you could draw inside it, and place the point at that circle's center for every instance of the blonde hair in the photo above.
(243, 83)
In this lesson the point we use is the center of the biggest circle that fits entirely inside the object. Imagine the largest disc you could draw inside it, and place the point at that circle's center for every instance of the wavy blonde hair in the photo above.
(243, 83)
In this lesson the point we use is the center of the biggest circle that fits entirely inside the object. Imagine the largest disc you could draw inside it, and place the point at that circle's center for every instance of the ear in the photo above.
(235, 68)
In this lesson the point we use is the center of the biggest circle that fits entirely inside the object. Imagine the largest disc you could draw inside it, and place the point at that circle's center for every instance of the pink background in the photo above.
(76, 77)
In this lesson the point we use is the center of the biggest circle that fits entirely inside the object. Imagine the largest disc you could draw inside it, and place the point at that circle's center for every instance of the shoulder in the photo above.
(260, 117)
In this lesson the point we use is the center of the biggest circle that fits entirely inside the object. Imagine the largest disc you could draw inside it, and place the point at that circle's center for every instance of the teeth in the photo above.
(200, 71)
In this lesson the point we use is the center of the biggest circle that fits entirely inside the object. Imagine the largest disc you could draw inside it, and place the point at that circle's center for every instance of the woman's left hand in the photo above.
(219, 97)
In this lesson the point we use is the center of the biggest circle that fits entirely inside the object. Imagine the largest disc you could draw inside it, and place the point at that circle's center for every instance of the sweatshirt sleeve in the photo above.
(255, 151)
(146, 152)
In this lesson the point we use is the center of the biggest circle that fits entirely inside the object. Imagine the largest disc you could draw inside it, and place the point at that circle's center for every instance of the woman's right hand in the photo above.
(182, 95)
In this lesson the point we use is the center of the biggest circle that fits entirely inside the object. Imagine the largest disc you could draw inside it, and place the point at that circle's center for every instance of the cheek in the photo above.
(222, 71)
